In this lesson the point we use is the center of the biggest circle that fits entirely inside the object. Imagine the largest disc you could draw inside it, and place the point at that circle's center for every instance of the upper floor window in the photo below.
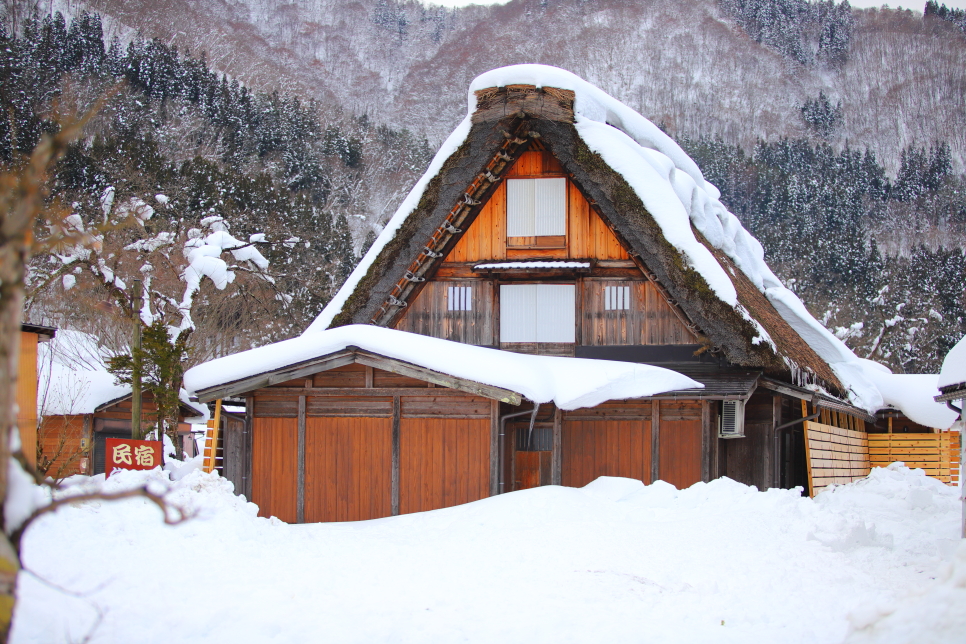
(537, 313)
(536, 212)
(459, 298)
(617, 298)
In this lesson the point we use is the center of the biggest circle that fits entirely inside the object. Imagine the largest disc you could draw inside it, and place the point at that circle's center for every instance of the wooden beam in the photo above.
(266, 379)
(556, 470)
(655, 440)
(249, 430)
(300, 500)
(395, 456)
(494, 447)
(707, 440)
(774, 445)
(375, 392)
(369, 377)
(428, 375)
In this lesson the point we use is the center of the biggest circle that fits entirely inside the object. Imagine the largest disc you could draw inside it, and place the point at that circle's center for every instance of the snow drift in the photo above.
(615, 561)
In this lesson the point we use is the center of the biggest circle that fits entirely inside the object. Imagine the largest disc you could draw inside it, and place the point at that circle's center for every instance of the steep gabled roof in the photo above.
(642, 185)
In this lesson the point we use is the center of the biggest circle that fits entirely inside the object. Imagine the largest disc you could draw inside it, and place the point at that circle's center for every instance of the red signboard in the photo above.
(129, 454)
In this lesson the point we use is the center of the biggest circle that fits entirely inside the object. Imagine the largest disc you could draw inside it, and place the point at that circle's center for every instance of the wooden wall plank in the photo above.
(443, 462)
(593, 448)
(274, 467)
(347, 474)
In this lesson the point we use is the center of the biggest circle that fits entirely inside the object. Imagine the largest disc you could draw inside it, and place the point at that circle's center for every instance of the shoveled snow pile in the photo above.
(615, 561)
(571, 383)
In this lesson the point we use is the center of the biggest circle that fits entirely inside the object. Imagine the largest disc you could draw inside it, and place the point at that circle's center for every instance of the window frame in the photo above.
(538, 241)
(503, 297)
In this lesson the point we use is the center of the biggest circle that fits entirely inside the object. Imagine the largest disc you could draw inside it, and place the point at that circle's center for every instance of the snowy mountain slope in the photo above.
(689, 67)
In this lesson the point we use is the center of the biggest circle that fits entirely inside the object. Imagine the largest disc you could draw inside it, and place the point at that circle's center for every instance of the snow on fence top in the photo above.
(571, 383)
(672, 188)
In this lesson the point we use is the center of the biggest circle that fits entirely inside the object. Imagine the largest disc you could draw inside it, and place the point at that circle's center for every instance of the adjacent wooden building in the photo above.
(526, 241)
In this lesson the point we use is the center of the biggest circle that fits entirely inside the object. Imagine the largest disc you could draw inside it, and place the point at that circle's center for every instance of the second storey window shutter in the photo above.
(537, 312)
(536, 207)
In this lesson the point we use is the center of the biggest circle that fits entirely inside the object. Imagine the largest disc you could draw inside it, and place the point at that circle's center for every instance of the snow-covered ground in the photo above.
(875, 561)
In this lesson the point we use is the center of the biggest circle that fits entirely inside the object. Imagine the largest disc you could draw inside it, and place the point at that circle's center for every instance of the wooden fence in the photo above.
(937, 454)
(836, 455)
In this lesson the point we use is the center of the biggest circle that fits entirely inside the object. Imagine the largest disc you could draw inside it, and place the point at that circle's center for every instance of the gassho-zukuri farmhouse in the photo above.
(560, 297)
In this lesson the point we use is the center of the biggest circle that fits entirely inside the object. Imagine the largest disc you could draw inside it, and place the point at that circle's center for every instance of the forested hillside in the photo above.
(836, 135)
(187, 153)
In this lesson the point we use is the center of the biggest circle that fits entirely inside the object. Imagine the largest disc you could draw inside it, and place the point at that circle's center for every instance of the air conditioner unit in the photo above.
(732, 421)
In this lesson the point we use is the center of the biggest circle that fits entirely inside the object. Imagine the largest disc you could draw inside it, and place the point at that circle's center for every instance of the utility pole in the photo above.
(137, 301)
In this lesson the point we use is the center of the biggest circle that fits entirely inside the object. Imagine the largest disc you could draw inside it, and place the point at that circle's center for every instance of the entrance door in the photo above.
(532, 455)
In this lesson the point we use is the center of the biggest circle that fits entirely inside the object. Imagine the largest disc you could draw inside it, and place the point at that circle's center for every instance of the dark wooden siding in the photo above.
(275, 467)
(650, 319)
(443, 462)
(428, 314)
(348, 468)
(592, 448)
(680, 451)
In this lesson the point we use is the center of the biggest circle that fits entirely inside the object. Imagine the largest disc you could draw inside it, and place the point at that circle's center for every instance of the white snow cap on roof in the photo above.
(671, 187)
(571, 383)
(912, 394)
(73, 377)
(954, 366)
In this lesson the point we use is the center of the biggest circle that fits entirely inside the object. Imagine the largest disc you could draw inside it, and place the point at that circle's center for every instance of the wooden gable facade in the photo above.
(485, 258)
(355, 435)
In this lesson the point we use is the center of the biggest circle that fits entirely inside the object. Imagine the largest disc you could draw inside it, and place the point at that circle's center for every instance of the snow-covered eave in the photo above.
(570, 383)
(186, 405)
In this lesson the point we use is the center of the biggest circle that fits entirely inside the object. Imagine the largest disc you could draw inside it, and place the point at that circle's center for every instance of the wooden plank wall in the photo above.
(348, 465)
(836, 455)
(429, 314)
(680, 454)
(27, 395)
(937, 454)
(60, 441)
(649, 320)
(443, 462)
(349, 415)
(750, 460)
(618, 439)
(275, 467)
(587, 235)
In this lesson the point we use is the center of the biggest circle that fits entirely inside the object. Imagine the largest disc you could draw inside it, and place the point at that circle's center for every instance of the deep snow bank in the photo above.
(614, 561)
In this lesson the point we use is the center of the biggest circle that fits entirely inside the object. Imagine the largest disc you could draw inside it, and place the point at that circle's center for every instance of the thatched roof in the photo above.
(747, 330)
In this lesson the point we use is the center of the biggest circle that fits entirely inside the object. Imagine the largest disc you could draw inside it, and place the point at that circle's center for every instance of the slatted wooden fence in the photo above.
(937, 454)
(836, 455)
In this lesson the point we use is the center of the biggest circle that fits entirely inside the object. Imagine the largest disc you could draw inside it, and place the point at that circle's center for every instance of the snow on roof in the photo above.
(671, 187)
(954, 366)
(571, 383)
(73, 377)
(912, 394)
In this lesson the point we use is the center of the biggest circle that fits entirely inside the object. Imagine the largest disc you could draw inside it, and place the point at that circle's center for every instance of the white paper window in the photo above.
(536, 207)
(537, 312)
(617, 298)
(460, 298)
